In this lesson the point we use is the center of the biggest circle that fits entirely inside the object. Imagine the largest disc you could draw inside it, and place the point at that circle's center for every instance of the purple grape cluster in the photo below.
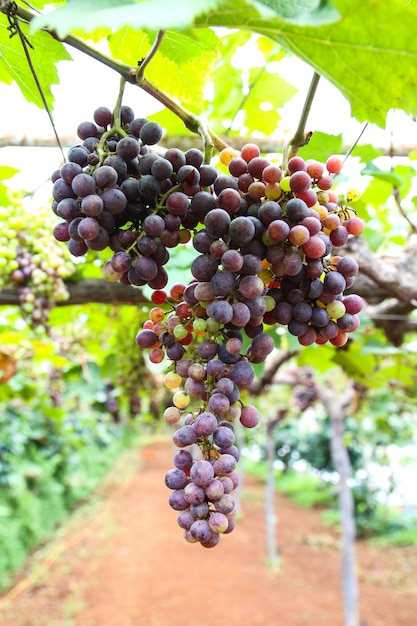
(115, 193)
(264, 238)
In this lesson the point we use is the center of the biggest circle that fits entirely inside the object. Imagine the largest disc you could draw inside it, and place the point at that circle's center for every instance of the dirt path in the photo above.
(122, 562)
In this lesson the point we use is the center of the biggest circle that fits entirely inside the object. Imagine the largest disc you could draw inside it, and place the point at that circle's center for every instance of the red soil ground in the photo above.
(121, 561)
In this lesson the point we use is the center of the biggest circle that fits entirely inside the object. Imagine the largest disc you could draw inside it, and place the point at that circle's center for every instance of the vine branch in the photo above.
(135, 77)
(150, 55)
(300, 137)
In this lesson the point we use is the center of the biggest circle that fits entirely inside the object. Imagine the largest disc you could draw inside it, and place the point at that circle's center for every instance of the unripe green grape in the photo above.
(335, 309)
(181, 400)
(199, 325)
(180, 332)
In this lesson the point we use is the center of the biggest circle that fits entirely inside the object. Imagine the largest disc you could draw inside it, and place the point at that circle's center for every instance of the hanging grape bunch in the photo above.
(264, 238)
(32, 263)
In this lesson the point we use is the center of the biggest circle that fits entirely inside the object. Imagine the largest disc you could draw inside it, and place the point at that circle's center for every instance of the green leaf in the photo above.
(370, 55)
(304, 11)
(150, 14)
(385, 175)
(179, 60)
(366, 152)
(321, 146)
(265, 88)
(46, 52)
(190, 46)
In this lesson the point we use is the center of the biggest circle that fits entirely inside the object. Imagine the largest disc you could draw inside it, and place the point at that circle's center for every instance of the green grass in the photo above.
(30, 514)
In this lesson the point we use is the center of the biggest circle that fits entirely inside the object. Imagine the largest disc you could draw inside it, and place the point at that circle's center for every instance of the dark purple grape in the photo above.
(220, 311)
(87, 129)
(78, 154)
(77, 248)
(219, 403)
(114, 200)
(215, 368)
(241, 314)
(127, 114)
(183, 460)
(252, 264)
(202, 203)
(229, 200)
(149, 187)
(224, 182)
(101, 242)
(154, 225)
(208, 175)
(146, 268)
(347, 267)
(241, 230)
(150, 133)
(68, 209)
(202, 473)
(130, 188)
(105, 176)
(177, 500)
(135, 125)
(92, 205)
(204, 267)
(232, 261)
(296, 209)
(243, 374)
(201, 531)
(185, 519)
(127, 148)
(62, 190)
(175, 479)
(118, 164)
(194, 494)
(60, 232)
(202, 241)
(88, 228)
(223, 283)
(161, 168)
(69, 170)
(185, 436)
(251, 287)
(269, 211)
(319, 317)
(223, 437)
(334, 282)
(102, 116)
(194, 157)
(283, 313)
(176, 157)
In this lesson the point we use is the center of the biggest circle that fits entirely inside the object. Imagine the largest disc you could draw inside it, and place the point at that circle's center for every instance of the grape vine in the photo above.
(264, 237)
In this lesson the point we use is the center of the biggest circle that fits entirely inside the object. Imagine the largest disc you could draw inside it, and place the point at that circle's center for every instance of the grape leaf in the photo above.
(304, 12)
(179, 59)
(149, 14)
(321, 146)
(370, 54)
(387, 176)
(46, 52)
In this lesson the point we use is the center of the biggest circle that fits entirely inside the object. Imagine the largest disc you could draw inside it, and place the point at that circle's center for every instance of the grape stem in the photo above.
(149, 56)
(300, 137)
(134, 76)
(116, 127)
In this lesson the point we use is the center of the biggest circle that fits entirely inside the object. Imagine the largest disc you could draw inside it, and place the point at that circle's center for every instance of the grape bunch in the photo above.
(266, 240)
(32, 263)
(211, 369)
